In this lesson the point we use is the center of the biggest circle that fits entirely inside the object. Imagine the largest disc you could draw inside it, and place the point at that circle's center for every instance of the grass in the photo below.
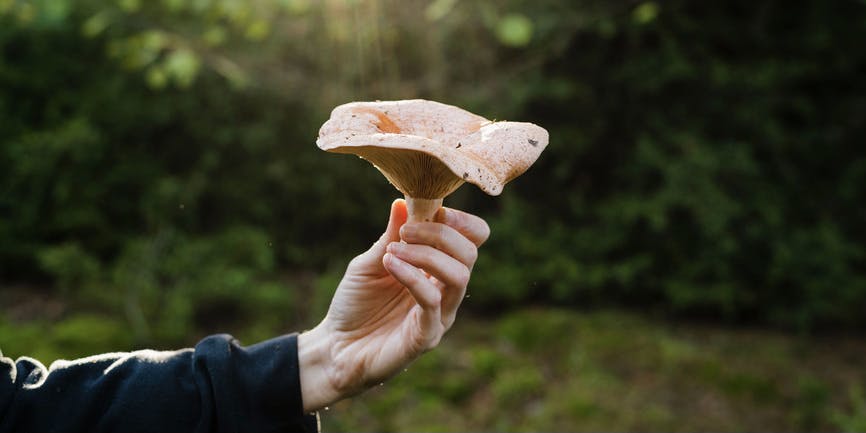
(560, 370)
(556, 370)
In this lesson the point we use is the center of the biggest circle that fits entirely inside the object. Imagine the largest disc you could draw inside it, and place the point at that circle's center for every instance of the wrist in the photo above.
(315, 364)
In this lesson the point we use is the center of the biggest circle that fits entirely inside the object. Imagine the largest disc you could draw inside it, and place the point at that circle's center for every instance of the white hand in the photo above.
(395, 302)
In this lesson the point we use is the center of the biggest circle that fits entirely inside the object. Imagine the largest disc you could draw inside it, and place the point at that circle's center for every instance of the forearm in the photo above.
(219, 386)
(101, 393)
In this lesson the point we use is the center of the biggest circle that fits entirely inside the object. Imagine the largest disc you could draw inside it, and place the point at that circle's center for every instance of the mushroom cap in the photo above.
(427, 149)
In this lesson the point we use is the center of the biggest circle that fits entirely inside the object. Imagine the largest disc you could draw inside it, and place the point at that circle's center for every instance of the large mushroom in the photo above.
(428, 149)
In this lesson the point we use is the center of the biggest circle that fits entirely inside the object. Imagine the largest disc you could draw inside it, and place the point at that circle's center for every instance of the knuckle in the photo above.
(472, 256)
(448, 321)
(483, 231)
(432, 302)
(463, 277)
(433, 342)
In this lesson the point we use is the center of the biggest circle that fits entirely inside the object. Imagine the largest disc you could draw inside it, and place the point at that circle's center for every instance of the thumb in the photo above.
(398, 217)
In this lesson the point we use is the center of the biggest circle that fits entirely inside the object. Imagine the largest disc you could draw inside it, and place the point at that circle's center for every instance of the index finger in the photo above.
(474, 228)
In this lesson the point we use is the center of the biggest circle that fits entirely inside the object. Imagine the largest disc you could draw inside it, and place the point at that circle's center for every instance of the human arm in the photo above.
(394, 303)
(218, 386)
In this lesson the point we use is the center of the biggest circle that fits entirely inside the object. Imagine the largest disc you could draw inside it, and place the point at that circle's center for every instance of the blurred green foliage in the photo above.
(608, 371)
(855, 419)
(550, 369)
(159, 181)
(158, 166)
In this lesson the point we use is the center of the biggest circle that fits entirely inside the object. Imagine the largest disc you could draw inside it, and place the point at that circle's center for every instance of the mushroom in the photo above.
(427, 149)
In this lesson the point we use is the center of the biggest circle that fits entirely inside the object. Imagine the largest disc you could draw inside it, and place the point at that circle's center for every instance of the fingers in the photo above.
(457, 235)
(447, 250)
(427, 295)
(474, 228)
(447, 269)
(443, 253)
(441, 237)
(452, 273)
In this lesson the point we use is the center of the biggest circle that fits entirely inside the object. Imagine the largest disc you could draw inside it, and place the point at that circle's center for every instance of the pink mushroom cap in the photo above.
(427, 149)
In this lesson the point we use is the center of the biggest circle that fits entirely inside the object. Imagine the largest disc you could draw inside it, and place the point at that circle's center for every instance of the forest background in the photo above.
(687, 254)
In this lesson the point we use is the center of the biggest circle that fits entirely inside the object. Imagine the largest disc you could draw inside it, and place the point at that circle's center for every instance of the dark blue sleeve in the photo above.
(217, 387)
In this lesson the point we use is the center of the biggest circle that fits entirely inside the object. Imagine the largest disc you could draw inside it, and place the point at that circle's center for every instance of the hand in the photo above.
(395, 302)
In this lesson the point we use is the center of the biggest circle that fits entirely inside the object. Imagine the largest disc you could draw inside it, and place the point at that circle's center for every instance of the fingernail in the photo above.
(392, 260)
(394, 247)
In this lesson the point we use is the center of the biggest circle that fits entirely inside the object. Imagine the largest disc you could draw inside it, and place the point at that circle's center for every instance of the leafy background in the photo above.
(687, 254)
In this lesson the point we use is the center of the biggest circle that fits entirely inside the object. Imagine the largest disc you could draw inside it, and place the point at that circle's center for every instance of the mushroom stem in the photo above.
(422, 209)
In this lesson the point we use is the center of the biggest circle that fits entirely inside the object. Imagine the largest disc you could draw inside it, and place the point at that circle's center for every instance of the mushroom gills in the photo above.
(416, 174)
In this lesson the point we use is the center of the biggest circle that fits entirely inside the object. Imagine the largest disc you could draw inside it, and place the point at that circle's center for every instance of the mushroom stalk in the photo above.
(422, 209)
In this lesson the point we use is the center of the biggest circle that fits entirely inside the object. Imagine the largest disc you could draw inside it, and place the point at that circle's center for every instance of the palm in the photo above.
(375, 319)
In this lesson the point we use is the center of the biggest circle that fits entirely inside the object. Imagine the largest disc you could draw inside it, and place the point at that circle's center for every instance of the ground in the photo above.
(556, 370)
(549, 369)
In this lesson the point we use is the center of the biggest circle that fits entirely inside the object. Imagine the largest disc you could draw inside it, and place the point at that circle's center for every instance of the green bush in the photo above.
(70, 265)
(694, 171)
(86, 334)
(175, 286)
(703, 161)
